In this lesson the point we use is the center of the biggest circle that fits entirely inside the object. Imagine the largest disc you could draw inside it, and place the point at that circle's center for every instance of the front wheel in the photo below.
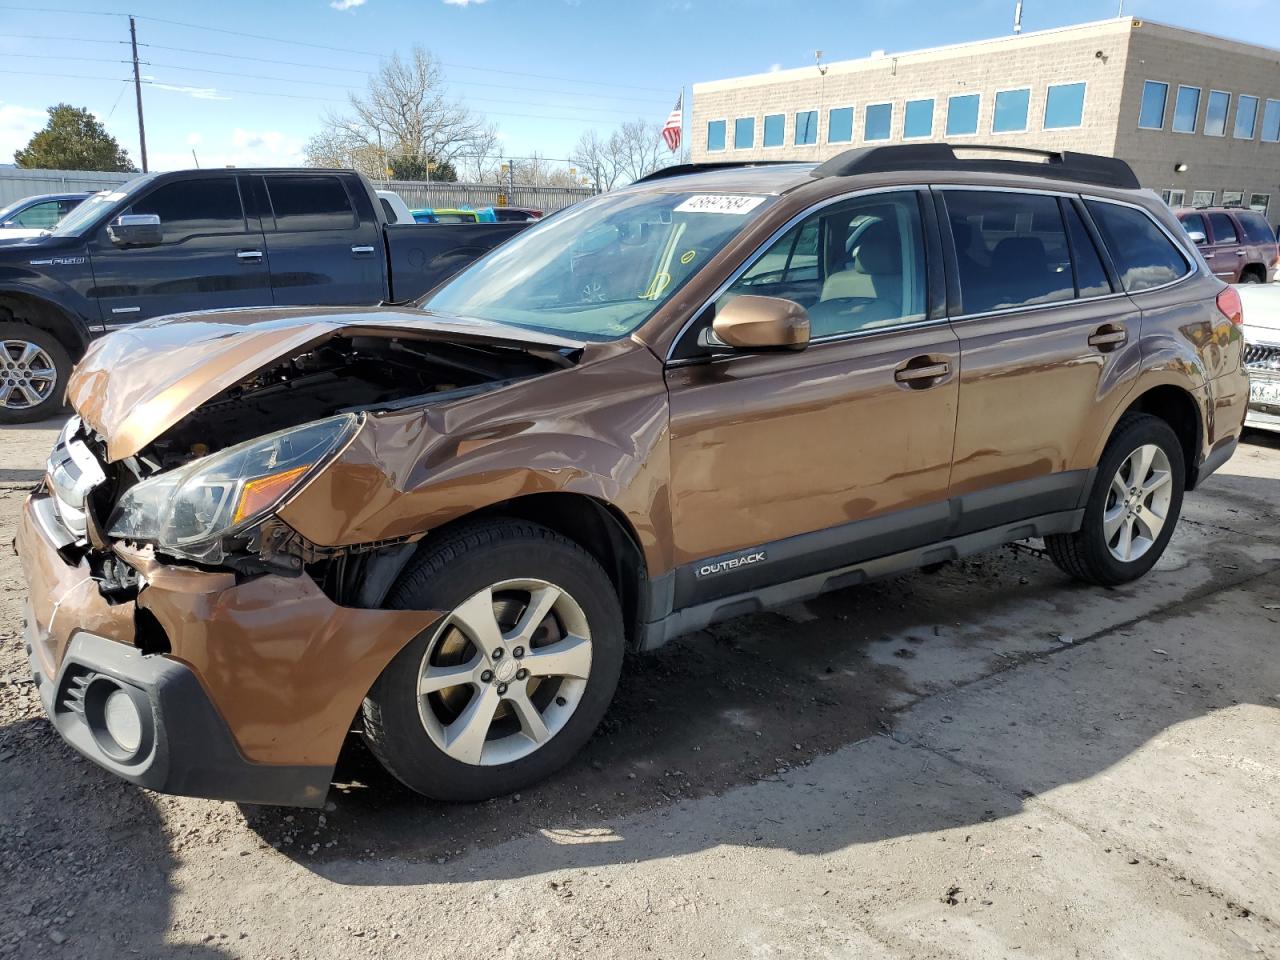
(513, 679)
(34, 368)
(1133, 507)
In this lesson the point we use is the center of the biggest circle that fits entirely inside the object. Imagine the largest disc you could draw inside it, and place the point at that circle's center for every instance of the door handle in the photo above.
(927, 371)
(1241, 253)
(248, 254)
(1107, 338)
(358, 250)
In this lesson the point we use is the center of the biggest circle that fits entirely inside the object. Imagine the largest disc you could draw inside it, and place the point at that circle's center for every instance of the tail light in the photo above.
(1230, 306)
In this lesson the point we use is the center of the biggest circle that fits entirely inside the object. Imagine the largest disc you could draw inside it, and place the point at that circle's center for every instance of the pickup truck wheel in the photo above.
(513, 679)
(1133, 507)
(33, 373)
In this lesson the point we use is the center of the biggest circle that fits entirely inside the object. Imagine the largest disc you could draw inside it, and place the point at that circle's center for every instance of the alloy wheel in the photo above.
(1138, 503)
(27, 375)
(505, 672)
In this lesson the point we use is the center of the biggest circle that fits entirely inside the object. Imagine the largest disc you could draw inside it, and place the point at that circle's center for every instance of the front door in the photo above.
(1046, 353)
(805, 461)
(210, 257)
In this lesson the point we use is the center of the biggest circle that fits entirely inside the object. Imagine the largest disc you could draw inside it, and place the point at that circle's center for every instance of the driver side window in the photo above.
(856, 265)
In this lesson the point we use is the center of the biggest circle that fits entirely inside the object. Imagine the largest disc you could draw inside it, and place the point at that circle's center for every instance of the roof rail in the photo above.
(1057, 165)
(680, 169)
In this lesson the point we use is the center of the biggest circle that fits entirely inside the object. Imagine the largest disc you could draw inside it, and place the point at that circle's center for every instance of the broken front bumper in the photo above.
(258, 689)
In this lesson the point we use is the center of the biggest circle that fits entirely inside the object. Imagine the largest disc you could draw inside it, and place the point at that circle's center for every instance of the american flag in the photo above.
(671, 129)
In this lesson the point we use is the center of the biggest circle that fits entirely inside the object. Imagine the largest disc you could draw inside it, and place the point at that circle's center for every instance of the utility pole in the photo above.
(137, 90)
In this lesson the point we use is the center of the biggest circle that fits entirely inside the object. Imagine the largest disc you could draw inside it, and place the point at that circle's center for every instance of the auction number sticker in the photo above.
(719, 203)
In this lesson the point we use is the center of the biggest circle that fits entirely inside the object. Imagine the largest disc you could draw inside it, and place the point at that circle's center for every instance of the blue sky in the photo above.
(598, 62)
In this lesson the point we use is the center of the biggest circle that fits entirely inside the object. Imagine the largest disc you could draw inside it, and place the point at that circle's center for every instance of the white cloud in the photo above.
(17, 124)
(464, 3)
(347, 4)
(194, 139)
(243, 148)
(200, 93)
(775, 67)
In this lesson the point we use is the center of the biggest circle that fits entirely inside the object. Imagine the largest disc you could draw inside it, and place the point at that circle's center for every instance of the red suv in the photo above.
(1238, 244)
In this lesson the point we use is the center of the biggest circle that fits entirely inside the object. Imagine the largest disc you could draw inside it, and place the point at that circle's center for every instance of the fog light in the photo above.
(123, 721)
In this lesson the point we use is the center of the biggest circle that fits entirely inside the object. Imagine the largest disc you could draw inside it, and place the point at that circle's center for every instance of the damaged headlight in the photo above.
(188, 510)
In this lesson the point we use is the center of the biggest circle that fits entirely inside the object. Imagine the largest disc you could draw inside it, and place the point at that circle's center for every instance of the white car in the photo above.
(36, 216)
(1262, 353)
(393, 208)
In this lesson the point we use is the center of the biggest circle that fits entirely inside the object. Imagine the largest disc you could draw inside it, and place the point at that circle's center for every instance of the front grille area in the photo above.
(1258, 356)
(73, 472)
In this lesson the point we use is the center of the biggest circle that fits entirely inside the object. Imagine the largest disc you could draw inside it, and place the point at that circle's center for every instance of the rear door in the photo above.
(211, 255)
(324, 244)
(1226, 252)
(1047, 351)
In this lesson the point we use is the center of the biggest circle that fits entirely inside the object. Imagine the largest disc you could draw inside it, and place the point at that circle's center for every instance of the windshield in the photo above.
(85, 213)
(601, 268)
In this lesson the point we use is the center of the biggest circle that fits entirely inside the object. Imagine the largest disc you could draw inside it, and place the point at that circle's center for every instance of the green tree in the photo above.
(422, 168)
(73, 139)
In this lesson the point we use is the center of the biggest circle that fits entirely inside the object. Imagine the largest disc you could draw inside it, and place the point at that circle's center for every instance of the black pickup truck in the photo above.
(207, 240)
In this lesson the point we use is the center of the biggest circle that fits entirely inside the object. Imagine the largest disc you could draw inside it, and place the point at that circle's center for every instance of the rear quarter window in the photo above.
(1256, 229)
(1144, 256)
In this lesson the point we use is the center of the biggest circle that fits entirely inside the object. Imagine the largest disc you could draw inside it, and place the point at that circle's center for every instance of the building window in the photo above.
(1215, 114)
(806, 127)
(877, 121)
(1233, 198)
(1064, 106)
(1174, 198)
(1011, 111)
(1271, 121)
(774, 130)
(962, 114)
(1186, 107)
(1246, 117)
(744, 133)
(715, 135)
(1260, 202)
(917, 119)
(1154, 95)
(1202, 198)
(840, 125)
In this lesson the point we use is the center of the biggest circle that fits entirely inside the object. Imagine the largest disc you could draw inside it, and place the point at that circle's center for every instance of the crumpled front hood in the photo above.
(136, 383)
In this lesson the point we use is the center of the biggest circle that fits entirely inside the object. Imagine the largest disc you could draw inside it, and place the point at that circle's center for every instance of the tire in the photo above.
(25, 398)
(1251, 275)
(1095, 553)
(426, 743)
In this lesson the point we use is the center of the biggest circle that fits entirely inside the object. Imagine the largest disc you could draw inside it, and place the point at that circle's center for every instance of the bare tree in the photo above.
(405, 112)
(594, 156)
(632, 150)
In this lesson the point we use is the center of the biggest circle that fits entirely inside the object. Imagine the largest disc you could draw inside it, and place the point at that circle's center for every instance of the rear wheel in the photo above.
(1252, 275)
(33, 373)
(513, 679)
(1134, 505)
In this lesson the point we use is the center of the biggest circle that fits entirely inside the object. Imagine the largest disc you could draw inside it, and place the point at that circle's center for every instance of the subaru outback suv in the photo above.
(720, 388)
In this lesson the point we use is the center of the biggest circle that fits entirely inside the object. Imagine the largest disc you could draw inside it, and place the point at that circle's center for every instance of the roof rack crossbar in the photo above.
(1057, 165)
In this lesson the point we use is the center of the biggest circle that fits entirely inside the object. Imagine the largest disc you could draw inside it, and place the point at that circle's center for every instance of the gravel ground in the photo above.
(988, 761)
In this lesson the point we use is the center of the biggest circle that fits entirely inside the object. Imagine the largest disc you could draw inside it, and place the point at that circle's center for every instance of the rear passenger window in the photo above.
(200, 206)
(1142, 253)
(310, 203)
(1091, 276)
(1256, 229)
(1224, 229)
(854, 266)
(1011, 250)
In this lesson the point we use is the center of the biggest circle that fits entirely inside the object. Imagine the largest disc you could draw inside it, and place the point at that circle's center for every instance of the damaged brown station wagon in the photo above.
(717, 389)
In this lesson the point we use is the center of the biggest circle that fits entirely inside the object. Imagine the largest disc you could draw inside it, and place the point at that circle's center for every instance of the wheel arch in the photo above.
(1176, 406)
(43, 314)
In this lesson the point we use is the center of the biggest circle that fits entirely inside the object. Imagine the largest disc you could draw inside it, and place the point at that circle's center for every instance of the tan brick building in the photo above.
(1197, 116)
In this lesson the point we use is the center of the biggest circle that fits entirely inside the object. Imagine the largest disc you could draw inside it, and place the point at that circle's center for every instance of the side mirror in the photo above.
(136, 230)
(762, 323)
(1198, 238)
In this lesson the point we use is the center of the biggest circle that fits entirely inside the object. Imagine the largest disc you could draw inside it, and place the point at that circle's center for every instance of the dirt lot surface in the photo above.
(988, 761)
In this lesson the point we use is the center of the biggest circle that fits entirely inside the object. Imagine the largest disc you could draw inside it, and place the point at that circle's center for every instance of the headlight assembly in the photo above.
(189, 510)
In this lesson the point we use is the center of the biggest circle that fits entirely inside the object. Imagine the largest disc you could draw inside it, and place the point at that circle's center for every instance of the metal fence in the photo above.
(417, 193)
(16, 183)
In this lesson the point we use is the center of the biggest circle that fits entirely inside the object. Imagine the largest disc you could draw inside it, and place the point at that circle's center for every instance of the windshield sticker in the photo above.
(719, 203)
(113, 197)
(688, 255)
